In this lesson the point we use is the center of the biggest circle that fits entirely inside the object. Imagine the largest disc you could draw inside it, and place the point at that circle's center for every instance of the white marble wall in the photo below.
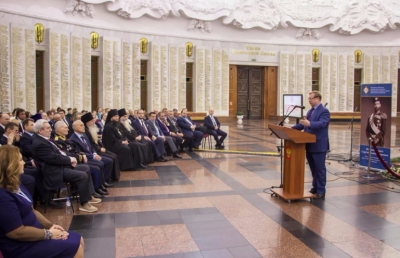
(199, 79)
(110, 69)
(23, 68)
(57, 77)
(5, 71)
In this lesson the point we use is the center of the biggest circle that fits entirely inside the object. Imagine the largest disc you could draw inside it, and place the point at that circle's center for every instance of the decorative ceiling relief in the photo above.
(305, 33)
(202, 26)
(77, 6)
(345, 16)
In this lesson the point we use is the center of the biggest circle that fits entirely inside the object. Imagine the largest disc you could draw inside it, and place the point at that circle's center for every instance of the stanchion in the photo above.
(368, 175)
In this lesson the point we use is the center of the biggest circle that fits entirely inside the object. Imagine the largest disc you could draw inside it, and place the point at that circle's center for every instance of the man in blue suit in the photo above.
(188, 127)
(213, 128)
(316, 122)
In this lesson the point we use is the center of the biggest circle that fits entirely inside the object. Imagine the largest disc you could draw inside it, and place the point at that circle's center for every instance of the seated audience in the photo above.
(188, 127)
(56, 166)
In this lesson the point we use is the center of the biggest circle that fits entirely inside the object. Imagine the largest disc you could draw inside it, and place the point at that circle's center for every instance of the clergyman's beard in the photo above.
(93, 132)
(127, 125)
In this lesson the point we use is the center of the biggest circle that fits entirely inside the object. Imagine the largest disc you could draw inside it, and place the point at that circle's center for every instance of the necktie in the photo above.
(310, 113)
(166, 127)
(158, 133)
(85, 143)
(213, 121)
(144, 127)
(65, 121)
(188, 121)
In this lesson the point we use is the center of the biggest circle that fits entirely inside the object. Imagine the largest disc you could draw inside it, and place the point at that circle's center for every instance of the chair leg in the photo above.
(209, 142)
(69, 195)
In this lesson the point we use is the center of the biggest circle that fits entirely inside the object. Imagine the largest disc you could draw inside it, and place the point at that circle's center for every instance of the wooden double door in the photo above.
(250, 91)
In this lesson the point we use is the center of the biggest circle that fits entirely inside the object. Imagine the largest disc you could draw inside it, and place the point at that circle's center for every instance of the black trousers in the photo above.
(82, 180)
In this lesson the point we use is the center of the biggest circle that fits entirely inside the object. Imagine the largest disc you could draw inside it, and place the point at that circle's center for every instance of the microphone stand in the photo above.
(281, 148)
(351, 127)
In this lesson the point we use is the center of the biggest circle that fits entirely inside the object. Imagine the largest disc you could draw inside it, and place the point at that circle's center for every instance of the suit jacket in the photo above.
(4, 140)
(50, 161)
(25, 144)
(138, 127)
(1, 131)
(173, 126)
(78, 142)
(209, 124)
(319, 125)
(164, 129)
(185, 125)
(153, 128)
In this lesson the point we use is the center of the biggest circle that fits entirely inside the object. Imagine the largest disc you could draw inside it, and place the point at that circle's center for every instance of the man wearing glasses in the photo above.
(316, 122)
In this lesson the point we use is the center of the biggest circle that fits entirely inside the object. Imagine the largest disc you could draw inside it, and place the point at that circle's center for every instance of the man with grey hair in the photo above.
(57, 167)
(214, 128)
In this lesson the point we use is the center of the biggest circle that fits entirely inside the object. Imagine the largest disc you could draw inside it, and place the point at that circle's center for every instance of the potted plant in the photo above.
(239, 116)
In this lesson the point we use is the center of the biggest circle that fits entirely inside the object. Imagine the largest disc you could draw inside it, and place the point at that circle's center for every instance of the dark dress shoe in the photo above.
(320, 196)
(55, 205)
(99, 191)
(313, 191)
(143, 166)
(96, 195)
(165, 159)
(108, 184)
(176, 155)
(103, 189)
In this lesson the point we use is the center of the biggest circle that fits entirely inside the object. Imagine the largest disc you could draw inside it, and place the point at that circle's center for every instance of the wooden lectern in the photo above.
(294, 155)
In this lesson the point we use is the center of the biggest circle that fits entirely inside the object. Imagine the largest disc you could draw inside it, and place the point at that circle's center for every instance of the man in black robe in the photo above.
(114, 141)
(92, 133)
(134, 137)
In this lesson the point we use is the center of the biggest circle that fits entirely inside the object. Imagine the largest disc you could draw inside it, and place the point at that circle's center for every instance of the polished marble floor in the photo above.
(213, 204)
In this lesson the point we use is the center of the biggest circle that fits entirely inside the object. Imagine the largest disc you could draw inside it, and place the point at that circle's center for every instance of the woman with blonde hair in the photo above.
(24, 232)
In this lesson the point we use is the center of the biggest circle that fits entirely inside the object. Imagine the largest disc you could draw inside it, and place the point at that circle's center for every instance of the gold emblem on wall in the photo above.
(94, 39)
(189, 49)
(39, 33)
(315, 55)
(143, 45)
(358, 56)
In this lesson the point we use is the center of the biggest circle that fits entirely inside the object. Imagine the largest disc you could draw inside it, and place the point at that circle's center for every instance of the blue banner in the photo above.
(376, 103)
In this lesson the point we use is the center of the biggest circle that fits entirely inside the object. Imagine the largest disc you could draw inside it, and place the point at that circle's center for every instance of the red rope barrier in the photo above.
(388, 169)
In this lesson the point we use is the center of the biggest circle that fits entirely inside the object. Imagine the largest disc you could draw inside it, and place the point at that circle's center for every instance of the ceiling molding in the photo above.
(347, 17)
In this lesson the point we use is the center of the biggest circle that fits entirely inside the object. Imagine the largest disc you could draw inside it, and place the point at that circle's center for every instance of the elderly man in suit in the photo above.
(213, 128)
(57, 166)
(156, 132)
(188, 127)
(316, 122)
(82, 141)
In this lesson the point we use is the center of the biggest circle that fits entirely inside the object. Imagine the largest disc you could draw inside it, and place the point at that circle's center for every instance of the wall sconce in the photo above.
(189, 49)
(315, 55)
(358, 56)
(94, 40)
(39, 32)
(143, 45)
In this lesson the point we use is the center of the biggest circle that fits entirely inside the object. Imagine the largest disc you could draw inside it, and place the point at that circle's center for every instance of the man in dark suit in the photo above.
(213, 128)
(174, 127)
(91, 132)
(156, 133)
(4, 120)
(61, 112)
(188, 127)
(11, 135)
(20, 115)
(57, 166)
(140, 126)
(80, 139)
(164, 126)
(316, 122)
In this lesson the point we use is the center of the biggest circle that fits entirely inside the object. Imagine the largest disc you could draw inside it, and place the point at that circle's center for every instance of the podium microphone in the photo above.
(326, 104)
(301, 107)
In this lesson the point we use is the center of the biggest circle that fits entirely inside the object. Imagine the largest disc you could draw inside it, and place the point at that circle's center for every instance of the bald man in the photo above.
(213, 128)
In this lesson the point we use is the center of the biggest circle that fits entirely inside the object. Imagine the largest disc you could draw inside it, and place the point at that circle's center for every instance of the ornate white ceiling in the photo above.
(345, 16)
